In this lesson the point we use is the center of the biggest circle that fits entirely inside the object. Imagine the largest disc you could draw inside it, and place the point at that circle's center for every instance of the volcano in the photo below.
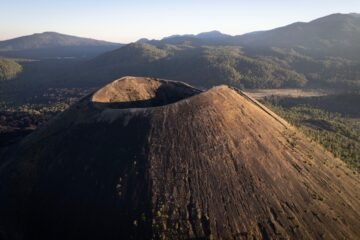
(144, 158)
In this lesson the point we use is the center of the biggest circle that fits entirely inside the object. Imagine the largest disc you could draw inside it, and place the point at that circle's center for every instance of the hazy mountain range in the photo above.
(322, 53)
(337, 34)
(54, 45)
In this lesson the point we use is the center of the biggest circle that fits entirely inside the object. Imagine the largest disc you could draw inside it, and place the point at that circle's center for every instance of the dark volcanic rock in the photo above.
(144, 158)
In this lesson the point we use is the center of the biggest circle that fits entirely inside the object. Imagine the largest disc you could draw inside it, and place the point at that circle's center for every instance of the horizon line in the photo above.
(171, 35)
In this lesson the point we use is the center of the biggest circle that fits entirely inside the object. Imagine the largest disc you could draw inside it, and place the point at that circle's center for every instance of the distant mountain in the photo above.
(213, 35)
(203, 66)
(205, 38)
(324, 53)
(355, 14)
(143, 40)
(54, 45)
(49, 40)
(334, 35)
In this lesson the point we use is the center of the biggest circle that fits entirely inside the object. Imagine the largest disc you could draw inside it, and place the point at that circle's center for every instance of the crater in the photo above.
(139, 92)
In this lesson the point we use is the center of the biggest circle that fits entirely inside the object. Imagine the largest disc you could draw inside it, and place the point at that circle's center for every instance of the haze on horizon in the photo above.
(127, 21)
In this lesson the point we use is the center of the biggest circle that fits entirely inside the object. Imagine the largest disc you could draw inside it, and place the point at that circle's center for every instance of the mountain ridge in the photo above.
(332, 35)
(301, 55)
(52, 45)
(321, 53)
(49, 39)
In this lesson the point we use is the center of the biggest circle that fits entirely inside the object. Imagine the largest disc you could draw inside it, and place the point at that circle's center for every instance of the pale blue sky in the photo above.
(129, 20)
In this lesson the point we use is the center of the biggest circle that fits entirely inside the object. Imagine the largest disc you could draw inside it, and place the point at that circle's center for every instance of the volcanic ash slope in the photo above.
(145, 158)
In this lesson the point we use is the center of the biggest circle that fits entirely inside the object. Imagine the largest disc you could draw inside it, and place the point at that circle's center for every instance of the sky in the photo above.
(129, 20)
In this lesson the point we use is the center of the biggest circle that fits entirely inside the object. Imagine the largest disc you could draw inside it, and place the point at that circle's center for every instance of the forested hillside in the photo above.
(211, 65)
(333, 121)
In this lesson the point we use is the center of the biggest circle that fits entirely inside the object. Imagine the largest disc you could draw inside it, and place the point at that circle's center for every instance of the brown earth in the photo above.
(154, 159)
